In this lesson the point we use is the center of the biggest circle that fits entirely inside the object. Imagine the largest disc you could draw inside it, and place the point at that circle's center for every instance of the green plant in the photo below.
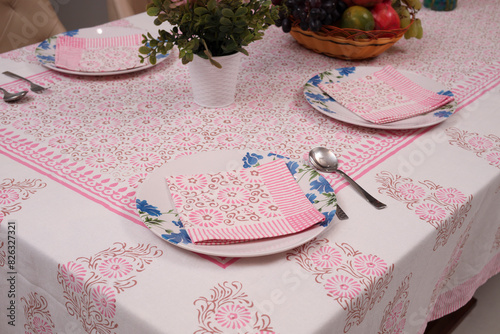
(207, 28)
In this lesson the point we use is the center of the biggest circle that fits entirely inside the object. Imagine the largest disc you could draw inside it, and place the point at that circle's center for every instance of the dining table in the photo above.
(89, 242)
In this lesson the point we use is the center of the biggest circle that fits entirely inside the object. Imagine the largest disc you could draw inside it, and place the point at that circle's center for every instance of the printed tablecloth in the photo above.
(76, 258)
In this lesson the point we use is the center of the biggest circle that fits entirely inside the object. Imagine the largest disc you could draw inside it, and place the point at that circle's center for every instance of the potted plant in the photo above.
(207, 28)
(210, 35)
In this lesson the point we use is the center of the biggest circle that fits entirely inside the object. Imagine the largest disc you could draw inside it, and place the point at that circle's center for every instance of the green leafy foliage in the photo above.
(207, 28)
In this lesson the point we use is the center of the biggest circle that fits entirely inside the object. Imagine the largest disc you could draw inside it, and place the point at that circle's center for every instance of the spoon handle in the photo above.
(372, 200)
(341, 215)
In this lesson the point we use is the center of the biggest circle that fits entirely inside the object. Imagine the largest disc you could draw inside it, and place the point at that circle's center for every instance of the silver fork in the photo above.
(34, 87)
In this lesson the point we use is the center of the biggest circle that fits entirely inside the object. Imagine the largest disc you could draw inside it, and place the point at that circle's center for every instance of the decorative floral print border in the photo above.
(486, 147)
(443, 208)
(449, 270)
(356, 281)
(91, 285)
(38, 317)
(394, 319)
(229, 309)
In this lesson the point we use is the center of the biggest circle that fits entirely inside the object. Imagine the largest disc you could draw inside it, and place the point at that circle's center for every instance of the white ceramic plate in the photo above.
(46, 51)
(157, 211)
(328, 106)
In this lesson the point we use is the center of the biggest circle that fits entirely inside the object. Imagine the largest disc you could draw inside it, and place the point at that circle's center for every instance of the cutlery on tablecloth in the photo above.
(11, 97)
(325, 160)
(34, 87)
(341, 215)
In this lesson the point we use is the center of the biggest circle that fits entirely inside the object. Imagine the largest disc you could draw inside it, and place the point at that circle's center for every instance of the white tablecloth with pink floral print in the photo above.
(73, 157)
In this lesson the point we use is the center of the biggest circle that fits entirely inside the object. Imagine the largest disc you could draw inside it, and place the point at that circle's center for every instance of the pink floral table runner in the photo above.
(73, 157)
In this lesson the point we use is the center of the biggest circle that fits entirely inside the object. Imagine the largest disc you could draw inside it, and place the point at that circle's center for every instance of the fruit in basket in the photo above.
(357, 17)
(385, 17)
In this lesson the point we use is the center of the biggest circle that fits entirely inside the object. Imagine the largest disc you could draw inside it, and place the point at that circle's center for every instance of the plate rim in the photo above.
(225, 250)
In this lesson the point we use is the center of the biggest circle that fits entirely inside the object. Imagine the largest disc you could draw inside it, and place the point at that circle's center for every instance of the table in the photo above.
(76, 258)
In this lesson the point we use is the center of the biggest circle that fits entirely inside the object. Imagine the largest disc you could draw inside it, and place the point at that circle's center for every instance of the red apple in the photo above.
(386, 18)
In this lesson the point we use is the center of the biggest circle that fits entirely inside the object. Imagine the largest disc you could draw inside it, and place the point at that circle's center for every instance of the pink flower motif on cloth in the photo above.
(115, 267)
(430, 211)
(27, 123)
(37, 314)
(186, 139)
(101, 160)
(73, 274)
(494, 158)
(227, 309)
(326, 257)
(99, 279)
(370, 265)
(235, 206)
(41, 326)
(480, 143)
(342, 286)
(233, 195)
(450, 196)
(269, 209)
(105, 300)
(145, 159)
(443, 208)
(105, 141)
(385, 96)
(411, 191)
(8, 196)
(484, 146)
(233, 316)
(191, 182)
(206, 217)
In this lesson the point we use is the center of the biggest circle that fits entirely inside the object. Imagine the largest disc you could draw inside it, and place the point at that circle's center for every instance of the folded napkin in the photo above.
(385, 96)
(236, 206)
(98, 54)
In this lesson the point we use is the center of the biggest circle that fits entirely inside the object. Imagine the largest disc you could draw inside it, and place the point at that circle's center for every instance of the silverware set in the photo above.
(12, 97)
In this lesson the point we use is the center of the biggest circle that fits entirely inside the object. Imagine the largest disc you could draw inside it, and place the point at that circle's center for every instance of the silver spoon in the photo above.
(325, 160)
(11, 97)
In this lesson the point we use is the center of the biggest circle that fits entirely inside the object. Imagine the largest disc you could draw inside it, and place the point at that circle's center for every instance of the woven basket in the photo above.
(348, 44)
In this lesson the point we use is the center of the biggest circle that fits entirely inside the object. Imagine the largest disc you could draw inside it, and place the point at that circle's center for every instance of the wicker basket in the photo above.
(348, 44)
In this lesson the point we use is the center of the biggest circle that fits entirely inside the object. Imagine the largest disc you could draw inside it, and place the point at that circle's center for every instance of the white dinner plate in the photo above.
(157, 210)
(46, 51)
(328, 106)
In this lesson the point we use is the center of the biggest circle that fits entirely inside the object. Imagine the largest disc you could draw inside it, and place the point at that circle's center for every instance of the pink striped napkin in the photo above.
(385, 96)
(236, 206)
(107, 54)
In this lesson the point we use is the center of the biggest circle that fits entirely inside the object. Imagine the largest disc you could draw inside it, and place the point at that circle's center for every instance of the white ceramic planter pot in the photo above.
(214, 87)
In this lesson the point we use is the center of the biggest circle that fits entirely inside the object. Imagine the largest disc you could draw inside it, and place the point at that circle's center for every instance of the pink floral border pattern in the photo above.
(354, 280)
(12, 192)
(91, 285)
(38, 318)
(483, 146)
(394, 319)
(228, 308)
(443, 208)
(448, 272)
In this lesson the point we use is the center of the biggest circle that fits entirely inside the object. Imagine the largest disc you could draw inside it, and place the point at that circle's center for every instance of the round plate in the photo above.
(328, 106)
(157, 211)
(46, 51)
